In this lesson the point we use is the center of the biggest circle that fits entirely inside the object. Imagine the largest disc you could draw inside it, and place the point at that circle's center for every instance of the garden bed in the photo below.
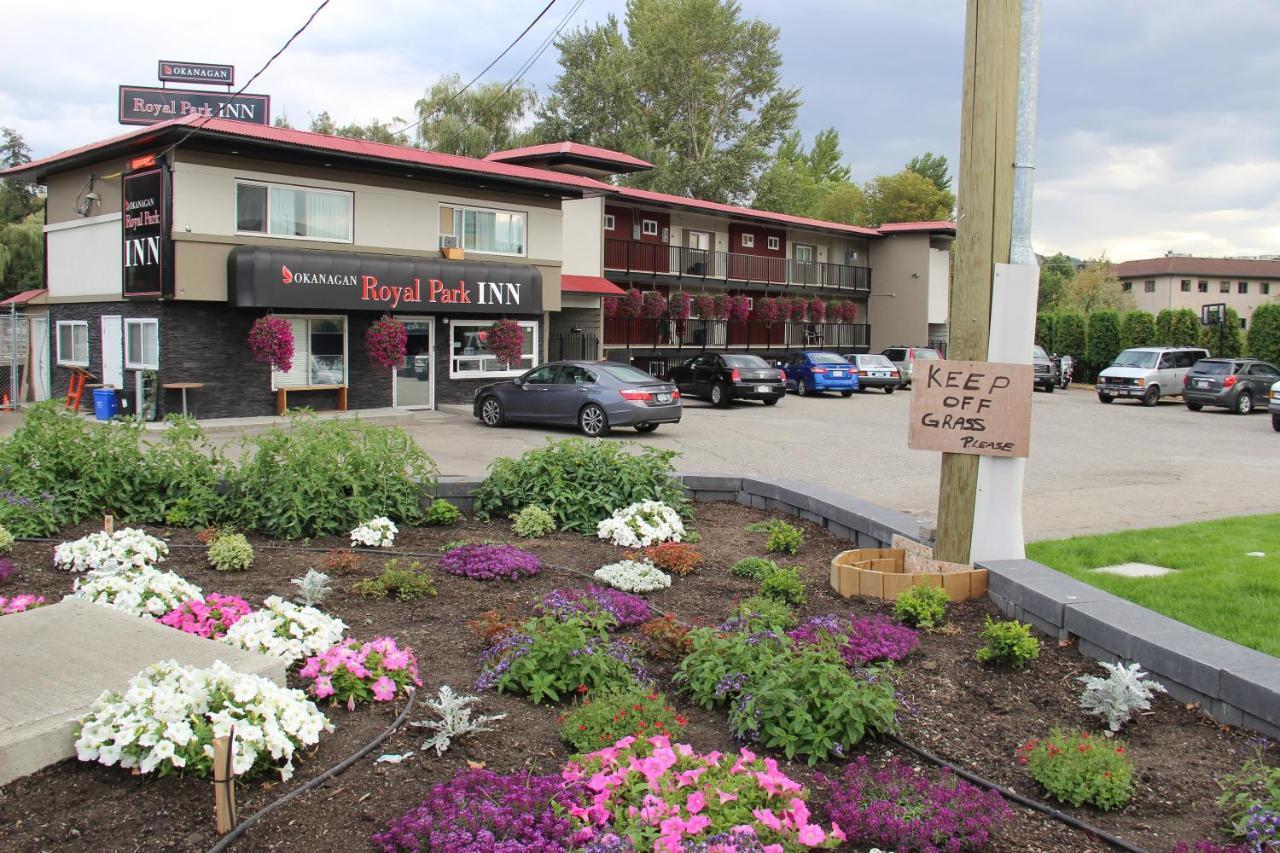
(974, 715)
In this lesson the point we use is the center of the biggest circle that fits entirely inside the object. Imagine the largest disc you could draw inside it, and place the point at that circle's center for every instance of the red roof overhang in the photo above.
(592, 284)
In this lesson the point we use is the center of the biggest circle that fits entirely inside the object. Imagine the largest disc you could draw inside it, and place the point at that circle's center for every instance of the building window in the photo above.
(1242, 322)
(1224, 287)
(1126, 286)
(649, 227)
(319, 353)
(1202, 287)
(1242, 287)
(609, 222)
(748, 241)
(469, 358)
(298, 212)
(1149, 287)
(73, 343)
(494, 232)
(774, 244)
(1264, 287)
(142, 344)
(1186, 285)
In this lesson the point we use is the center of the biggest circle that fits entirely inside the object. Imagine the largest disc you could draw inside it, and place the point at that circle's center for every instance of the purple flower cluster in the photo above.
(496, 660)
(490, 562)
(478, 811)
(625, 608)
(742, 839)
(862, 640)
(899, 808)
(7, 568)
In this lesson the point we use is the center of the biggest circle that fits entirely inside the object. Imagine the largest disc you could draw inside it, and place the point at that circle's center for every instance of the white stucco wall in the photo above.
(939, 285)
(84, 257)
(582, 236)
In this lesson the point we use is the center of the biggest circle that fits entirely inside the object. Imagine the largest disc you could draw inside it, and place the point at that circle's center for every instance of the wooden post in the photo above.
(109, 523)
(985, 193)
(224, 785)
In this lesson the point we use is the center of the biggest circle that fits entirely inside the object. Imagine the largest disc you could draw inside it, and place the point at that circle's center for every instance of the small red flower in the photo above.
(658, 724)
(582, 728)
(643, 724)
(681, 719)
(1119, 750)
(582, 688)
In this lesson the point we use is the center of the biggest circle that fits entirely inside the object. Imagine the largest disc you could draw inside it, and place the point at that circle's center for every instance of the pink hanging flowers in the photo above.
(679, 305)
(612, 305)
(505, 340)
(654, 304)
(388, 342)
(271, 342)
(706, 306)
(632, 303)
(739, 308)
(817, 310)
(767, 310)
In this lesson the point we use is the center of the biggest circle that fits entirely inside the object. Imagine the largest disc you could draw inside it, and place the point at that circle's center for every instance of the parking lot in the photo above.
(1093, 468)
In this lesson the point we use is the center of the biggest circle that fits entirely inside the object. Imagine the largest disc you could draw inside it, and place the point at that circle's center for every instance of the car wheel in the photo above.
(772, 401)
(491, 412)
(593, 421)
(1049, 387)
(719, 395)
(646, 427)
(1105, 398)
(1195, 407)
(802, 389)
(1151, 396)
(889, 389)
(1244, 403)
(846, 393)
(1275, 422)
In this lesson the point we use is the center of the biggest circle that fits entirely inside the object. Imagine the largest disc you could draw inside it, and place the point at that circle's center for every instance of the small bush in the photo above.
(231, 552)
(1125, 689)
(491, 625)
(1075, 768)
(784, 539)
(760, 613)
(441, 513)
(341, 561)
(6, 540)
(1250, 799)
(784, 584)
(668, 638)
(490, 562)
(754, 568)
(922, 607)
(533, 522)
(404, 583)
(313, 588)
(352, 672)
(674, 557)
(602, 719)
(1010, 643)
(633, 576)
(860, 640)
(625, 609)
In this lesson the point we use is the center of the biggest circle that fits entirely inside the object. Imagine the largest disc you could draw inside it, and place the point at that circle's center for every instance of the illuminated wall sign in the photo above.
(146, 249)
(150, 105)
(196, 72)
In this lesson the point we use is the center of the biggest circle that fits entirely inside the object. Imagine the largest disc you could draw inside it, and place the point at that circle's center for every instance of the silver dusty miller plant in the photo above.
(1125, 689)
(313, 587)
(455, 720)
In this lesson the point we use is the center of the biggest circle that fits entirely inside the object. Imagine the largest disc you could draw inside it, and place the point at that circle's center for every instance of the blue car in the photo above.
(815, 372)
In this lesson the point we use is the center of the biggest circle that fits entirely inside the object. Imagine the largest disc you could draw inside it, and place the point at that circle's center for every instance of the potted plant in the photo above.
(388, 342)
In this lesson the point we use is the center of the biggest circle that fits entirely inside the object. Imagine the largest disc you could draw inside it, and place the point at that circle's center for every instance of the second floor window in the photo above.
(1242, 287)
(1149, 286)
(496, 232)
(1202, 286)
(275, 210)
(1186, 285)
(1224, 287)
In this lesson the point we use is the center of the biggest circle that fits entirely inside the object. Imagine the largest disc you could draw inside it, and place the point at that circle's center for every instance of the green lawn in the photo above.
(1217, 588)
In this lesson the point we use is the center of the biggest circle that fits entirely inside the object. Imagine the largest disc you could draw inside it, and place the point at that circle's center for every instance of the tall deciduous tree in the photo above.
(1264, 333)
(374, 130)
(797, 180)
(906, 197)
(17, 200)
(934, 167)
(845, 203)
(477, 122)
(1055, 272)
(691, 86)
(1095, 288)
(1137, 329)
(21, 226)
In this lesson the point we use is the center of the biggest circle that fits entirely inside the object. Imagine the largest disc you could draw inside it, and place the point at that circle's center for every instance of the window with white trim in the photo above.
(609, 222)
(649, 227)
(774, 244)
(748, 241)
(319, 353)
(469, 357)
(142, 344)
(73, 343)
(480, 229)
(300, 213)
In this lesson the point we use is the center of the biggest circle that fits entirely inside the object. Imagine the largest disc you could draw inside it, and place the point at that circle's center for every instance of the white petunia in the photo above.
(379, 532)
(641, 525)
(286, 630)
(633, 576)
(108, 553)
(141, 591)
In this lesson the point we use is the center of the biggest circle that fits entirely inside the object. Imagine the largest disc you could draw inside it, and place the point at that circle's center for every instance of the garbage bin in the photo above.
(104, 403)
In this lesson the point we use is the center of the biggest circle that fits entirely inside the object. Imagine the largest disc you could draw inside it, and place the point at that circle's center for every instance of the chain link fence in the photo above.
(15, 358)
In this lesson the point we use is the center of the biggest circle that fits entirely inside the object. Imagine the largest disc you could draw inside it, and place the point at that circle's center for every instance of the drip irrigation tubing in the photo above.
(1014, 796)
(231, 837)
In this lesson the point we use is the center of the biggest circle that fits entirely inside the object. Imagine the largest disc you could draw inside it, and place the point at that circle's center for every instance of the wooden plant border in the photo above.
(882, 573)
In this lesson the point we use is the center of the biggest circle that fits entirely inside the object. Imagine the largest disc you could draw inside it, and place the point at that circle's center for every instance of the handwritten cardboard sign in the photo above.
(977, 407)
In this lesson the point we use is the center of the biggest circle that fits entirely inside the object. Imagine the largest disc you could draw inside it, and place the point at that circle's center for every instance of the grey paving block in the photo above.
(1190, 656)
(711, 482)
(706, 496)
(1089, 650)
(1040, 590)
(457, 486)
(1264, 727)
(762, 487)
(777, 505)
(809, 515)
(840, 531)
(1255, 690)
(1112, 623)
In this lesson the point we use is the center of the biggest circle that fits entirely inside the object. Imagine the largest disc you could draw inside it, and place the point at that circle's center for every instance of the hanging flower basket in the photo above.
(817, 310)
(632, 303)
(767, 310)
(388, 342)
(505, 340)
(706, 307)
(653, 305)
(721, 302)
(799, 309)
(679, 305)
(612, 304)
(271, 342)
(739, 308)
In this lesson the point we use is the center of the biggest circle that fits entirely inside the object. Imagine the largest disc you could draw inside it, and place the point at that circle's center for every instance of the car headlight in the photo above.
(1139, 382)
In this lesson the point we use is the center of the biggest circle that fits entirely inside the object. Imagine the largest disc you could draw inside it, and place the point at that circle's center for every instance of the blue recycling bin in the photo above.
(105, 403)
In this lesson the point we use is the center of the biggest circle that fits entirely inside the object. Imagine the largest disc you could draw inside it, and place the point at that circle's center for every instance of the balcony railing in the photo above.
(631, 256)
(640, 333)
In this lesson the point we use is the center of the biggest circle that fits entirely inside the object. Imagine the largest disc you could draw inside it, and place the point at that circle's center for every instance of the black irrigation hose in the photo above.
(1008, 794)
(231, 837)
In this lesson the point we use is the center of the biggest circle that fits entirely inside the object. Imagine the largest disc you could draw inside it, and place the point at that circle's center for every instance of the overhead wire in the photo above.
(541, 49)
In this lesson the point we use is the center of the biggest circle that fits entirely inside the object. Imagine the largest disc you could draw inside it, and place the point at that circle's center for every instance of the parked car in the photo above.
(594, 395)
(875, 371)
(812, 372)
(1045, 373)
(1274, 407)
(904, 358)
(1238, 384)
(722, 378)
(1148, 373)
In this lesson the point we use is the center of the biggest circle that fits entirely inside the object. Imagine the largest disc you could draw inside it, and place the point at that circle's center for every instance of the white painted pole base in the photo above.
(997, 511)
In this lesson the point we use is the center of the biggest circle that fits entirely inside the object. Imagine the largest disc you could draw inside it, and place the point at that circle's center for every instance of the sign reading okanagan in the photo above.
(196, 72)
(146, 249)
(262, 277)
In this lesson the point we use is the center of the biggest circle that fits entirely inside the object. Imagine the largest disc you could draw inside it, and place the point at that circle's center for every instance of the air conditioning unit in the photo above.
(448, 241)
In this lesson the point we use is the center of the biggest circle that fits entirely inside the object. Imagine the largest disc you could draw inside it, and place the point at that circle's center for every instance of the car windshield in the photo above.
(874, 361)
(1136, 358)
(744, 361)
(1215, 368)
(826, 358)
(626, 373)
(1039, 352)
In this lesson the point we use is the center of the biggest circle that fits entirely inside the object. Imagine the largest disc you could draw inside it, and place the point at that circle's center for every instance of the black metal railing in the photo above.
(632, 256)
(633, 333)
(573, 347)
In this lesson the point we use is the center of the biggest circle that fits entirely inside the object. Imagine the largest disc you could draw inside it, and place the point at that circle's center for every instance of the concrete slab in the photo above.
(58, 659)
(1134, 570)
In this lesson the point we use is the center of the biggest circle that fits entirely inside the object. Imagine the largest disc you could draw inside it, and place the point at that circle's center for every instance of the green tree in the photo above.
(1095, 288)
(934, 167)
(1069, 335)
(796, 181)
(1226, 340)
(1184, 329)
(1264, 333)
(1103, 339)
(841, 203)
(18, 200)
(374, 130)
(1137, 329)
(1055, 272)
(691, 86)
(22, 254)
(1044, 330)
(477, 122)
(906, 197)
(1164, 328)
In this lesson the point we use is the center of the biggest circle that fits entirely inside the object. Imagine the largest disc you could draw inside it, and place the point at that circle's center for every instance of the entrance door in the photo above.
(698, 248)
(414, 385)
(113, 351)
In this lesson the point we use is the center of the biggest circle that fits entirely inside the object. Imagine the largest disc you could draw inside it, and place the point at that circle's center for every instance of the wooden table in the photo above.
(183, 387)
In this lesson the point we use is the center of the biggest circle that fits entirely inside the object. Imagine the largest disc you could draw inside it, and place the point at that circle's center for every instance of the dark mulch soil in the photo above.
(954, 707)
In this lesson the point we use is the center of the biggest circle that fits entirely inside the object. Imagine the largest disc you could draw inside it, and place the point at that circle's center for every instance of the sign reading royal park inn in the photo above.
(146, 252)
(975, 407)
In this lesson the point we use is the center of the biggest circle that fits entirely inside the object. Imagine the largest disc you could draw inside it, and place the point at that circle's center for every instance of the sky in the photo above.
(1157, 122)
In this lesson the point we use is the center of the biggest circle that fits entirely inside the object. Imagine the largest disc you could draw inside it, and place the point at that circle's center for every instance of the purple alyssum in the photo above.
(490, 562)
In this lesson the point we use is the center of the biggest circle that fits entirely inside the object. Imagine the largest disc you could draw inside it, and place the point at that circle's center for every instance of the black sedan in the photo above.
(596, 396)
(722, 378)
(1238, 384)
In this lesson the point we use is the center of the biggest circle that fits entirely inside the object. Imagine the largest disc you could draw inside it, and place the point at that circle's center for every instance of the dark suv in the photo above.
(1238, 384)
(1046, 375)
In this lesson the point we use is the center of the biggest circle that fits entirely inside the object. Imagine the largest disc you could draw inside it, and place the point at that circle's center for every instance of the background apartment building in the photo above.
(1179, 281)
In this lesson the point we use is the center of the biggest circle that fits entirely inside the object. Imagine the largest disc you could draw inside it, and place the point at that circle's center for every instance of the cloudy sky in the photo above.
(1157, 127)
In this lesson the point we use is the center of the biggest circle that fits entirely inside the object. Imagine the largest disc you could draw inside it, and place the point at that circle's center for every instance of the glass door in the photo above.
(414, 383)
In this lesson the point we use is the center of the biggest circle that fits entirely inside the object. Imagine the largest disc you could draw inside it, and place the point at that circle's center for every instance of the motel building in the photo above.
(165, 244)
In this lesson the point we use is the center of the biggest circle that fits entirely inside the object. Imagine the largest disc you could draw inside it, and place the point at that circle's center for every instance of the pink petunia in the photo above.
(384, 689)
(725, 796)
(768, 818)
(696, 824)
(837, 833)
(696, 802)
(323, 687)
(811, 835)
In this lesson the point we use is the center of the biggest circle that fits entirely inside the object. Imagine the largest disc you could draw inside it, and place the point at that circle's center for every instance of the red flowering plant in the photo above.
(679, 305)
(388, 342)
(706, 306)
(653, 304)
(722, 303)
(505, 340)
(817, 310)
(799, 309)
(612, 305)
(767, 310)
(271, 342)
(604, 717)
(1076, 768)
(739, 308)
(632, 303)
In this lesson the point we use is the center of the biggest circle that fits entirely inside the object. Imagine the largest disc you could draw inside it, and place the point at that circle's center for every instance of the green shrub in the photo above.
(1184, 328)
(1264, 333)
(1009, 643)
(1103, 339)
(692, 536)
(579, 482)
(1164, 328)
(404, 583)
(552, 658)
(231, 552)
(1077, 768)
(784, 584)
(760, 613)
(441, 513)
(1225, 342)
(718, 661)
(755, 568)
(784, 539)
(533, 522)
(602, 719)
(1069, 334)
(1137, 329)
(921, 607)
(1253, 790)
(6, 540)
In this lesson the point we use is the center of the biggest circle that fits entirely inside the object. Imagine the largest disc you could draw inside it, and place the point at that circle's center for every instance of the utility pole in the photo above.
(983, 231)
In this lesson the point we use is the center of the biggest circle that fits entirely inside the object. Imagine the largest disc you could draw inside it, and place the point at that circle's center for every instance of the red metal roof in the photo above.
(745, 212)
(593, 284)
(908, 227)
(570, 149)
(1209, 267)
(24, 297)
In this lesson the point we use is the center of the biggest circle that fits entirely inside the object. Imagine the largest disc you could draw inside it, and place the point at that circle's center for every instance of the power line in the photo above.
(542, 48)
(458, 94)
